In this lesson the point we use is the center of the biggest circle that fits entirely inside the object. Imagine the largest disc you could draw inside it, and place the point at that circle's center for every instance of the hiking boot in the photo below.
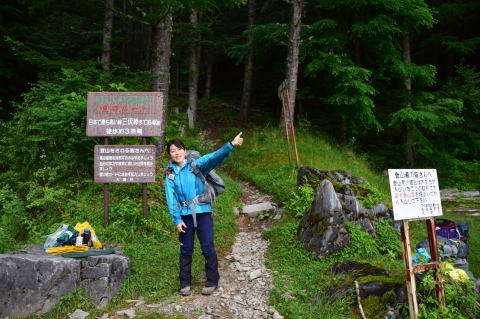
(186, 291)
(207, 291)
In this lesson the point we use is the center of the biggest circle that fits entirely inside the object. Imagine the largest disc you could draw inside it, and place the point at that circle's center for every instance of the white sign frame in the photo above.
(415, 193)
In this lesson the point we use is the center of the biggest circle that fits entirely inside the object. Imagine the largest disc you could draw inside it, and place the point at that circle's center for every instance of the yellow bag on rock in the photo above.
(81, 226)
(65, 249)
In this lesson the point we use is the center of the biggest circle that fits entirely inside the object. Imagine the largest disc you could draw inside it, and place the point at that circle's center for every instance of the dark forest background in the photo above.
(394, 79)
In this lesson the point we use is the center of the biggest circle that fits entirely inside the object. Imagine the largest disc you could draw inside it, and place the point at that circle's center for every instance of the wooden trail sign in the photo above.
(416, 196)
(125, 114)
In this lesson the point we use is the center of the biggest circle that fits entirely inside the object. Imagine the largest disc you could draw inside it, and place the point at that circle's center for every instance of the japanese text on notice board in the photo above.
(124, 164)
(415, 193)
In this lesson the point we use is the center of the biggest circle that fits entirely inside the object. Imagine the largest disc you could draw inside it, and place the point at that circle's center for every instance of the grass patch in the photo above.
(263, 159)
(300, 280)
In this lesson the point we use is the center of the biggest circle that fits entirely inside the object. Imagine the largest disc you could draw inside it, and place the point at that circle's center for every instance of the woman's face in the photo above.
(177, 154)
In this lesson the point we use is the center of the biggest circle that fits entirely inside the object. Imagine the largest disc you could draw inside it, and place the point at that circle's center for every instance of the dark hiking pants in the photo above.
(204, 233)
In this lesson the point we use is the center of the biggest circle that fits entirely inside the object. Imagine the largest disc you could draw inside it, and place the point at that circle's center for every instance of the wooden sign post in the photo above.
(416, 196)
(125, 114)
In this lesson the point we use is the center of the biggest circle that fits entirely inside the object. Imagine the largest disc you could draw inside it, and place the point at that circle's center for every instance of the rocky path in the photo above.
(245, 281)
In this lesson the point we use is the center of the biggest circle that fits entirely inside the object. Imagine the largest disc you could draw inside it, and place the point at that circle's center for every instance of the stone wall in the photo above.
(32, 281)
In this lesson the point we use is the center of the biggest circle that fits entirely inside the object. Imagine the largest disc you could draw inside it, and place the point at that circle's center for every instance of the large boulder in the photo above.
(322, 229)
(32, 281)
(314, 176)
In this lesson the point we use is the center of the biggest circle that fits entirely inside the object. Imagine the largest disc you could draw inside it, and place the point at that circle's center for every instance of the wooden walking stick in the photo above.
(290, 115)
(281, 96)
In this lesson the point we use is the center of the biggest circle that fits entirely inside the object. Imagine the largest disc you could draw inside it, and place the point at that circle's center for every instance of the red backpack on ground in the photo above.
(451, 230)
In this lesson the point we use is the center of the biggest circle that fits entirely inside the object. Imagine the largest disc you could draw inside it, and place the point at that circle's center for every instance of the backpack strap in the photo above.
(194, 169)
(191, 205)
(209, 193)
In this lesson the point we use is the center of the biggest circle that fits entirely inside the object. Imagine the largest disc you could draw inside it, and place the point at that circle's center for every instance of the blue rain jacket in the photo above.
(182, 185)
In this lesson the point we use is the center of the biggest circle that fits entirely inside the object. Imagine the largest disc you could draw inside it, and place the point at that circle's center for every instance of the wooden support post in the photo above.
(409, 271)
(432, 241)
(144, 190)
(105, 196)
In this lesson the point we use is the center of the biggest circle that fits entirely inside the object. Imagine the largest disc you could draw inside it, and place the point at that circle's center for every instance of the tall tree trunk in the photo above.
(107, 36)
(160, 68)
(292, 58)
(407, 129)
(126, 26)
(193, 74)
(248, 73)
(208, 76)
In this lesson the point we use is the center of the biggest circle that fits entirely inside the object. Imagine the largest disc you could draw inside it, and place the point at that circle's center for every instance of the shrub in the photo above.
(300, 201)
(361, 244)
(13, 217)
(388, 239)
(460, 299)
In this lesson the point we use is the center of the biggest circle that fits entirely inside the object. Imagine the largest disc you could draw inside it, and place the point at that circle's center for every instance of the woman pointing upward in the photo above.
(191, 210)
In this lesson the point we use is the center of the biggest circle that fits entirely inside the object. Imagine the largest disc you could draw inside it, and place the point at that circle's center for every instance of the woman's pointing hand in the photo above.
(238, 140)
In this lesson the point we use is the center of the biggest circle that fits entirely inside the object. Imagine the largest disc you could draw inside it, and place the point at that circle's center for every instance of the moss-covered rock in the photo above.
(357, 269)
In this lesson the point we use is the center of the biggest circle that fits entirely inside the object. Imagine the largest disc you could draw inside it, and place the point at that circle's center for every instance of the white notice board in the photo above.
(415, 193)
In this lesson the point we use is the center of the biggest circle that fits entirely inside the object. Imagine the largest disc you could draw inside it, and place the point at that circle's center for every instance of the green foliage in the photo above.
(460, 299)
(13, 219)
(352, 92)
(264, 214)
(457, 173)
(361, 245)
(126, 219)
(176, 126)
(300, 200)
(67, 305)
(266, 155)
(265, 36)
(466, 87)
(300, 280)
(440, 114)
(463, 47)
(48, 132)
(43, 191)
(388, 239)
(373, 196)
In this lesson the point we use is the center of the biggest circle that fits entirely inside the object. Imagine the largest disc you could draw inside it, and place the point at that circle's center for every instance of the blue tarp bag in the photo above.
(421, 256)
